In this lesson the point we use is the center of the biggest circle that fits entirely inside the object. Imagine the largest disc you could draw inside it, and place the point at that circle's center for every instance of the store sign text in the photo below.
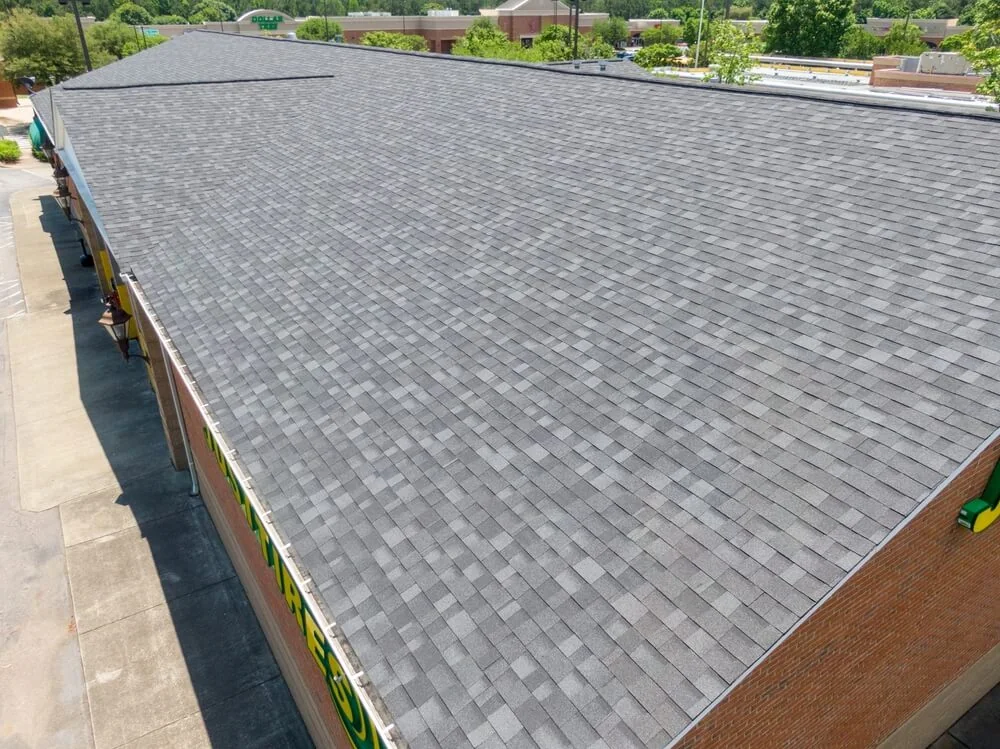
(359, 725)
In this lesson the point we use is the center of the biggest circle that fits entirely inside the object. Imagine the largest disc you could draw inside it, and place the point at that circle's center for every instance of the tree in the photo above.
(628, 8)
(390, 40)
(429, 6)
(890, 9)
(45, 49)
(860, 44)
(111, 37)
(484, 39)
(986, 10)
(212, 11)
(811, 28)
(555, 43)
(132, 14)
(740, 12)
(663, 34)
(138, 45)
(319, 29)
(658, 13)
(614, 31)
(903, 39)
(982, 50)
(169, 20)
(730, 54)
(657, 56)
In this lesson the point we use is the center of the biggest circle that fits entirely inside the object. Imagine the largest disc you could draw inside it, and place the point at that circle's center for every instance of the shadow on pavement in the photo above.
(172, 651)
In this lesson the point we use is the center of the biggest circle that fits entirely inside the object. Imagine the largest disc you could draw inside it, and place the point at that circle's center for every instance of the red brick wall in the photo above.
(297, 665)
(920, 612)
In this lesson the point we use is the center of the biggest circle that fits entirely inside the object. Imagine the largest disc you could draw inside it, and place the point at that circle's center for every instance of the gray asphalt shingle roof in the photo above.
(573, 394)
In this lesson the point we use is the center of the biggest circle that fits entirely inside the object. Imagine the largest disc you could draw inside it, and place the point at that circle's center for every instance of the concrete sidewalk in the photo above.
(151, 641)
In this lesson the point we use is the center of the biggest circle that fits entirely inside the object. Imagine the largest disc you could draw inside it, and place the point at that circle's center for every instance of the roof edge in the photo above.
(844, 98)
(919, 508)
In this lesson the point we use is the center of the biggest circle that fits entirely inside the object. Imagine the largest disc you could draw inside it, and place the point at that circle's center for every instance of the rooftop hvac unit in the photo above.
(947, 63)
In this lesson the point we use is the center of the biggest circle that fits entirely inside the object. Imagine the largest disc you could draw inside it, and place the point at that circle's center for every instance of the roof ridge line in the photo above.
(845, 98)
(196, 83)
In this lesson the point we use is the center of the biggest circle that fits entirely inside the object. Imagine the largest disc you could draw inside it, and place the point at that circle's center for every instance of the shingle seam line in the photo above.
(198, 83)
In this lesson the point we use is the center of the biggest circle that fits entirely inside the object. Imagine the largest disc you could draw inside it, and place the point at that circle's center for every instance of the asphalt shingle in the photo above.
(575, 414)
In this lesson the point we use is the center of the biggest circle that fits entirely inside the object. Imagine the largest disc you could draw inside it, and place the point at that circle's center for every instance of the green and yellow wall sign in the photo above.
(358, 723)
(980, 513)
(266, 23)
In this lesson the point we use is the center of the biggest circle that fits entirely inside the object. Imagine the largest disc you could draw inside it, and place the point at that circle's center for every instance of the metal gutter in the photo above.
(281, 546)
(921, 506)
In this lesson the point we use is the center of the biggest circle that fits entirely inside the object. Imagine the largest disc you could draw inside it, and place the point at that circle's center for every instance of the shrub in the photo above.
(740, 12)
(860, 44)
(132, 14)
(9, 151)
(319, 30)
(661, 35)
(133, 46)
(657, 56)
(903, 39)
(39, 154)
(658, 13)
(169, 20)
(391, 40)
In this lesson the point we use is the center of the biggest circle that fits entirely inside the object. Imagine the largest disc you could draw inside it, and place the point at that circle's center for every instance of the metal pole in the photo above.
(326, 24)
(701, 20)
(576, 26)
(83, 38)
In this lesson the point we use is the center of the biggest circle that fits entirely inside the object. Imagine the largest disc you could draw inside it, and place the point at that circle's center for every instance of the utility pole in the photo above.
(326, 24)
(574, 10)
(79, 28)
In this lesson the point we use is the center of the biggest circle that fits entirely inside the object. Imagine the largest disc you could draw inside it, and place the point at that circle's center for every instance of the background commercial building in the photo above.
(529, 424)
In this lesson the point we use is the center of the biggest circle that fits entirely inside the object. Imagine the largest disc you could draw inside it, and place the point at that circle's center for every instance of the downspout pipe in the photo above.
(195, 490)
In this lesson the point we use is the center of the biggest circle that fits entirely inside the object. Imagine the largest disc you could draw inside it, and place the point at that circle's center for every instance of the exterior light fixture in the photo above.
(115, 319)
(980, 513)
(62, 189)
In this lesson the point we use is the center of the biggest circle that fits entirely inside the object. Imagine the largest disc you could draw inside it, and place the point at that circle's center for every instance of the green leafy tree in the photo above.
(982, 50)
(111, 37)
(614, 31)
(730, 54)
(211, 11)
(890, 9)
(903, 39)
(555, 43)
(132, 14)
(658, 56)
(986, 10)
(390, 40)
(168, 20)
(811, 28)
(429, 6)
(484, 39)
(320, 30)
(860, 44)
(664, 34)
(138, 45)
(955, 42)
(45, 49)
(740, 12)
(658, 13)
(628, 8)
